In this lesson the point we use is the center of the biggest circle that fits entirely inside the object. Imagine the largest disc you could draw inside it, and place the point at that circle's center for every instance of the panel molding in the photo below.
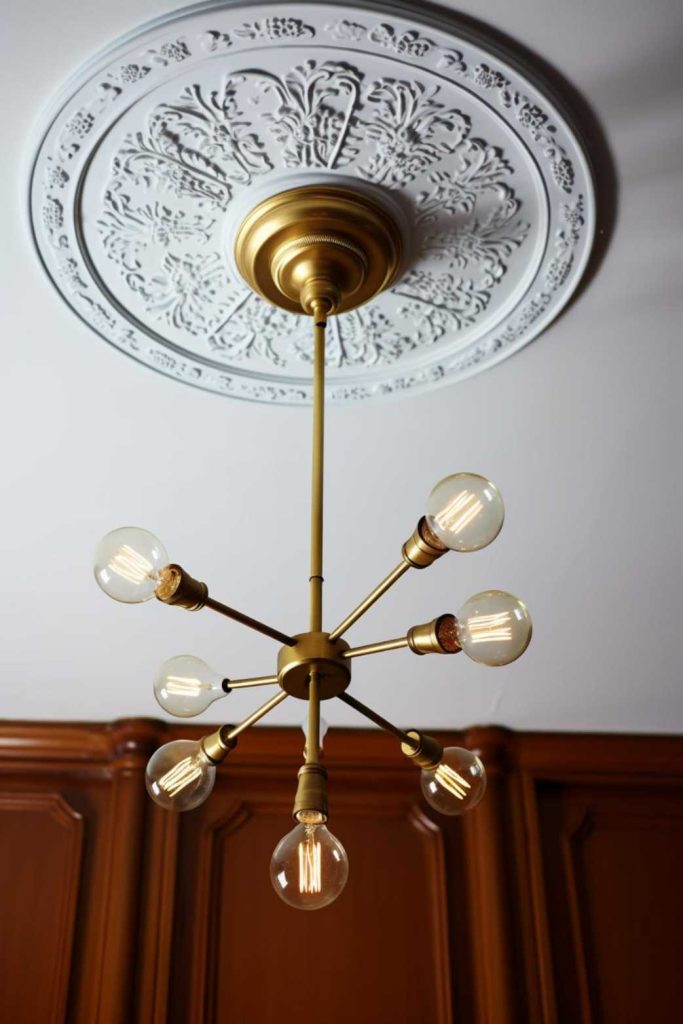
(56, 807)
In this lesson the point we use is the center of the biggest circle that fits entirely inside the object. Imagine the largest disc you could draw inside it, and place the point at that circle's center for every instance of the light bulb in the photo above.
(456, 784)
(128, 562)
(465, 511)
(185, 686)
(494, 627)
(179, 775)
(309, 867)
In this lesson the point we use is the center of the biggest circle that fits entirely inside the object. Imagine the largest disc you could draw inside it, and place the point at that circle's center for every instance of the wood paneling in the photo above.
(556, 901)
(40, 860)
(612, 858)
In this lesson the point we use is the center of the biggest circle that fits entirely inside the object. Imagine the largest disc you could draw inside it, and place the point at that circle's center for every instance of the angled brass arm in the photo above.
(178, 587)
(368, 602)
(436, 637)
(383, 645)
(363, 709)
(421, 549)
(423, 750)
(219, 743)
(241, 684)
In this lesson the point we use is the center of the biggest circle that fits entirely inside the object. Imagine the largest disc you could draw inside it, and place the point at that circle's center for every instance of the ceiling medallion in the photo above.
(162, 145)
(317, 251)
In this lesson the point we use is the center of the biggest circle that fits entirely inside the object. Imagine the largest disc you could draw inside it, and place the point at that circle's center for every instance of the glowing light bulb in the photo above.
(493, 627)
(185, 686)
(309, 867)
(465, 511)
(457, 784)
(128, 562)
(179, 775)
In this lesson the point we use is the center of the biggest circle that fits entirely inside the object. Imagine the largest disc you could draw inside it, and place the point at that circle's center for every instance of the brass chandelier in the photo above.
(321, 250)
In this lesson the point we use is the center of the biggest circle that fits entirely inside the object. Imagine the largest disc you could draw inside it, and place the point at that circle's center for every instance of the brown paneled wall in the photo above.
(557, 901)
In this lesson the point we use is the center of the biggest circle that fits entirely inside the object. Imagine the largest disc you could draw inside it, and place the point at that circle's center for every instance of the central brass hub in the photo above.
(319, 243)
(314, 650)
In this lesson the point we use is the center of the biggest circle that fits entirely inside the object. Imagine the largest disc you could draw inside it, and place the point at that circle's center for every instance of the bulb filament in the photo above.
(485, 629)
(452, 781)
(459, 512)
(131, 565)
(184, 686)
(310, 864)
(180, 776)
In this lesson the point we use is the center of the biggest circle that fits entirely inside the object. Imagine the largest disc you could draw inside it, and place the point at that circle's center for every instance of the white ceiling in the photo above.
(582, 431)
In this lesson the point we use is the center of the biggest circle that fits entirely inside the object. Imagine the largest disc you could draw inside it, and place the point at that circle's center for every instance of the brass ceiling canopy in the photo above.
(330, 244)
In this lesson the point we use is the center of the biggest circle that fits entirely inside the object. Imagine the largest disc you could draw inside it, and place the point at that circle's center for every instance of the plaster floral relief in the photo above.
(235, 98)
(328, 115)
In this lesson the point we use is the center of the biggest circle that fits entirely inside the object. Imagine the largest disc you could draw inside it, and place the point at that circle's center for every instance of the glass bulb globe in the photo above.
(465, 511)
(127, 564)
(457, 783)
(309, 867)
(494, 628)
(185, 686)
(179, 775)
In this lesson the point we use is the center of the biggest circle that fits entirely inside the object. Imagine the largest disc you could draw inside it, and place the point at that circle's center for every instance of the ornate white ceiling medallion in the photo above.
(159, 142)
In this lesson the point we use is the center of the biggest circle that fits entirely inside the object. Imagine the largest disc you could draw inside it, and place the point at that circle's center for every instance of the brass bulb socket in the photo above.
(422, 547)
(217, 745)
(177, 587)
(311, 792)
(436, 637)
(426, 752)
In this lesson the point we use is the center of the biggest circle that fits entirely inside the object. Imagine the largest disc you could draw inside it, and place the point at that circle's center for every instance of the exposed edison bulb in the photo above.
(465, 511)
(494, 627)
(185, 686)
(457, 784)
(128, 562)
(309, 867)
(179, 775)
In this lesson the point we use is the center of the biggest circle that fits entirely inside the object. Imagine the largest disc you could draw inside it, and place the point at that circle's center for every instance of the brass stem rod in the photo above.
(363, 709)
(317, 476)
(383, 645)
(246, 620)
(235, 731)
(240, 684)
(313, 731)
(375, 595)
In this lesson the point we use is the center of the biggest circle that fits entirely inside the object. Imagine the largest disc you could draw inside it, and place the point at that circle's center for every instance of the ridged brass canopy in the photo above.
(318, 244)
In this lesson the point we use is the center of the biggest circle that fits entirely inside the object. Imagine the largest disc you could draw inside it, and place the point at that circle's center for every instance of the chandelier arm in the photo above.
(373, 596)
(405, 737)
(378, 648)
(231, 732)
(246, 620)
(241, 684)
(317, 468)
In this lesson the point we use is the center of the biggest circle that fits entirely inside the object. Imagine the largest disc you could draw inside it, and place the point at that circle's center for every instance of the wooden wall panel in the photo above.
(556, 901)
(612, 860)
(40, 871)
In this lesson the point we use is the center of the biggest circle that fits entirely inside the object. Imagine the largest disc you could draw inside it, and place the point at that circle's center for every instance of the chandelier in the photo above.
(321, 250)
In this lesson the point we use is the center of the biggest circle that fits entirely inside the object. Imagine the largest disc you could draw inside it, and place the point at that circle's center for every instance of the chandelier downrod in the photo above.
(319, 310)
